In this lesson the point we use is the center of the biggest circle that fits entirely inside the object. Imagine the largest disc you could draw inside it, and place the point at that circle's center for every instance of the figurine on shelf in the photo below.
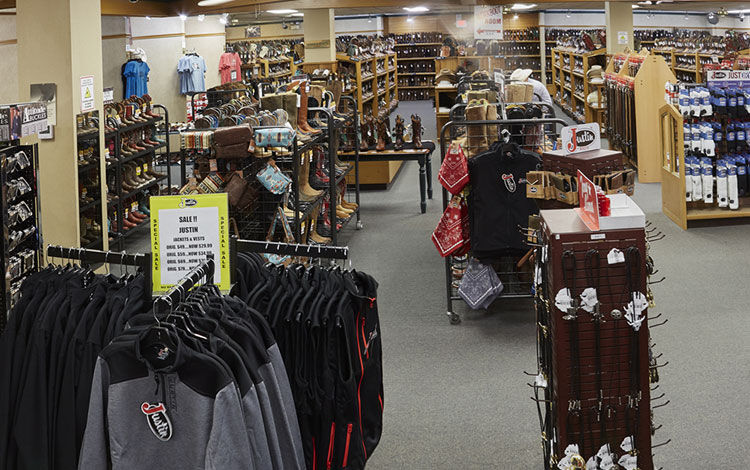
(384, 137)
(416, 131)
(370, 133)
(398, 132)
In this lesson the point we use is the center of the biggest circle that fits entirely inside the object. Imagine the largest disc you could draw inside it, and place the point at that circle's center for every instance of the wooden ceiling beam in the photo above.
(142, 8)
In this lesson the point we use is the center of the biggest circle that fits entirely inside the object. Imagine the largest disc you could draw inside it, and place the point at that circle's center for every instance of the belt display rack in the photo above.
(529, 132)
(596, 367)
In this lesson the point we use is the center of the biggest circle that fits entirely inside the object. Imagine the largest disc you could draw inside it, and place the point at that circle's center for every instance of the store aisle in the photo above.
(456, 396)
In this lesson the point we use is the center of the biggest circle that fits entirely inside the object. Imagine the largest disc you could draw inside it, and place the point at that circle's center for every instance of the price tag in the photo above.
(213, 165)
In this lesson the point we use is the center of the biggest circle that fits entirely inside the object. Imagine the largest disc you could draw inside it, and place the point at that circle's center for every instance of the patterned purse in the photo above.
(454, 171)
(451, 236)
(275, 137)
(273, 179)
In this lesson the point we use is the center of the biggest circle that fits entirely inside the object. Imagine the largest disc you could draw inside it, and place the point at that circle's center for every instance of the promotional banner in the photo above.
(22, 120)
(726, 78)
(580, 138)
(488, 22)
(184, 230)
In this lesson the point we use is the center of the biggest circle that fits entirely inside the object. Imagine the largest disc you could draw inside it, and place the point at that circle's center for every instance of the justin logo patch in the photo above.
(158, 421)
(510, 183)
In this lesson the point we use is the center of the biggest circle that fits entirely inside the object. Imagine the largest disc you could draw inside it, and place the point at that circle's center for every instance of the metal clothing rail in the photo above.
(291, 249)
(86, 256)
(445, 139)
(205, 270)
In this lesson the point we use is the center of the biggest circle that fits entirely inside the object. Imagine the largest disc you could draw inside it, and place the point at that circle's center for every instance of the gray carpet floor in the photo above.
(456, 395)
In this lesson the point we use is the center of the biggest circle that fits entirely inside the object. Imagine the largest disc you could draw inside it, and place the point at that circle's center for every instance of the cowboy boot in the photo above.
(363, 140)
(306, 192)
(476, 140)
(302, 113)
(370, 136)
(491, 129)
(380, 146)
(398, 132)
(416, 131)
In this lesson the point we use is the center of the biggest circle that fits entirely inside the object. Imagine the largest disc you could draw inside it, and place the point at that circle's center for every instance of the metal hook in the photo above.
(106, 263)
(654, 429)
(662, 444)
(656, 366)
(659, 397)
(657, 238)
(659, 324)
(656, 282)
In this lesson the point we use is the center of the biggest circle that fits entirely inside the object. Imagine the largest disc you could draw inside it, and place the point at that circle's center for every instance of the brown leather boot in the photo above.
(398, 133)
(416, 131)
(380, 146)
(491, 130)
(306, 192)
(302, 113)
(370, 135)
(476, 137)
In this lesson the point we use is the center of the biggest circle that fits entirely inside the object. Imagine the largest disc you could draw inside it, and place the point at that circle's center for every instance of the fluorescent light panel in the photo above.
(210, 3)
(523, 6)
(281, 12)
(416, 9)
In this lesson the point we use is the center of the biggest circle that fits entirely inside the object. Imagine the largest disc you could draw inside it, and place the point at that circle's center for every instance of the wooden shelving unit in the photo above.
(563, 72)
(401, 58)
(265, 68)
(673, 188)
(369, 103)
(649, 97)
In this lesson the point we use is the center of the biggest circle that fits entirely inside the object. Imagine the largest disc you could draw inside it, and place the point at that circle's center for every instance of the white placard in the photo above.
(87, 94)
(622, 37)
(581, 138)
(725, 78)
(186, 236)
(109, 95)
(488, 22)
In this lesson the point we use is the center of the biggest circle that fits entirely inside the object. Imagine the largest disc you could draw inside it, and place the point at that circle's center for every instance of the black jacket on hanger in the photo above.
(497, 202)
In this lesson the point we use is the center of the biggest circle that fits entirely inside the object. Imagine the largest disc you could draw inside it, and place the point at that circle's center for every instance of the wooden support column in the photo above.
(59, 42)
(619, 21)
(320, 35)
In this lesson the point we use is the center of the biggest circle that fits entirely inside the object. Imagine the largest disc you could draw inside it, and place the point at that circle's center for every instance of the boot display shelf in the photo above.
(375, 86)
(127, 169)
(90, 187)
(571, 84)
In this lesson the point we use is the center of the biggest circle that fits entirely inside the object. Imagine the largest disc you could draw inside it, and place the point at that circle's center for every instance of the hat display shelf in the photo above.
(571, 86)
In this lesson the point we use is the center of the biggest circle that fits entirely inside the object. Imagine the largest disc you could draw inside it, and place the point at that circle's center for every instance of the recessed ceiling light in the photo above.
(210, 3)
(183, 16)
(410, 20)
(201, 17)
(282, 12)
(416, 9)
(523, 6)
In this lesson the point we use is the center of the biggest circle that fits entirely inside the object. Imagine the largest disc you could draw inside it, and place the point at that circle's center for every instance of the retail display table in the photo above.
(422, 155)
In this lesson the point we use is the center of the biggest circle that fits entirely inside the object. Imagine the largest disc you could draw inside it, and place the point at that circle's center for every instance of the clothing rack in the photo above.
(91, 256)
(292, 249)
(205, 270)
(448, 133)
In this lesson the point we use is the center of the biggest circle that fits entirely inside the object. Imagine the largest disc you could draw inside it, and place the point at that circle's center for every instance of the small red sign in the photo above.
(589, 208)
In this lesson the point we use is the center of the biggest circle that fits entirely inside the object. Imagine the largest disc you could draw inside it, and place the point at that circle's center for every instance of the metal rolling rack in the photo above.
(25, 235)
(89, 257)
(515, 287)
(312, 251)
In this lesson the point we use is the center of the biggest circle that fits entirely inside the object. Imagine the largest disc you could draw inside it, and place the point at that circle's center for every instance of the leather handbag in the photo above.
(451, 236)
(454, 171)
(276, 137)
(233, 135)
(273, 179)
(241, 194)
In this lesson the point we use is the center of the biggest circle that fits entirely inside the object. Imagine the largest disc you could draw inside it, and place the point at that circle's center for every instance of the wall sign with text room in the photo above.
(184, 231)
